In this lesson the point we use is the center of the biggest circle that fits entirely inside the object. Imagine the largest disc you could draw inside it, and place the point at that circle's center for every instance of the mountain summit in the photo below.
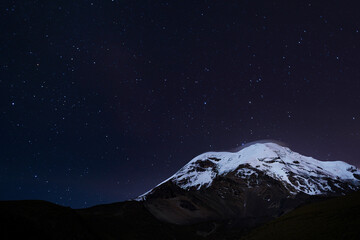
(259, 181)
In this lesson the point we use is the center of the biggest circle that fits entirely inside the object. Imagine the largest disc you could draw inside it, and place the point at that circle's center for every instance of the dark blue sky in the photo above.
(102, 100)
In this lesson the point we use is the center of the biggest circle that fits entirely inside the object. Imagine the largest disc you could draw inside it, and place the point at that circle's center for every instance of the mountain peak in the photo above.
(260, 180)
(296, 172)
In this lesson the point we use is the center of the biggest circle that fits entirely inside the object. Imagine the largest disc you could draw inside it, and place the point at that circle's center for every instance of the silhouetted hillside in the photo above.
(337, 218)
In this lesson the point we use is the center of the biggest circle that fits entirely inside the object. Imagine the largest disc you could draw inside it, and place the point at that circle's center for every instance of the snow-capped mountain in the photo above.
(263, 177)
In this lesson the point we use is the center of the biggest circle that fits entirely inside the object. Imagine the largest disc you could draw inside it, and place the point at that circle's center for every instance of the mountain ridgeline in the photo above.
(259, 191)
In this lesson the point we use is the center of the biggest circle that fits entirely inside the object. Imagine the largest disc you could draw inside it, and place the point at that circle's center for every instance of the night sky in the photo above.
(102, 100)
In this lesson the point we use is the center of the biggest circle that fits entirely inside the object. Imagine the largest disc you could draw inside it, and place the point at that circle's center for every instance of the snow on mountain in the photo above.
(296, 172)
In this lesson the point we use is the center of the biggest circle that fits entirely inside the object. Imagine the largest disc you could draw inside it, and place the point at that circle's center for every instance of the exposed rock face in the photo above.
(250, 186)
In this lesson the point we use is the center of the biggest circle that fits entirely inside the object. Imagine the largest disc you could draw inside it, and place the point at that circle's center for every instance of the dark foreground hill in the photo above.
(44, 220)
(127, 220)
(336, 218)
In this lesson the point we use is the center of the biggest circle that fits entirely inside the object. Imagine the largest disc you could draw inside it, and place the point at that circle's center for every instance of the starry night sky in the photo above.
(102, 100)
